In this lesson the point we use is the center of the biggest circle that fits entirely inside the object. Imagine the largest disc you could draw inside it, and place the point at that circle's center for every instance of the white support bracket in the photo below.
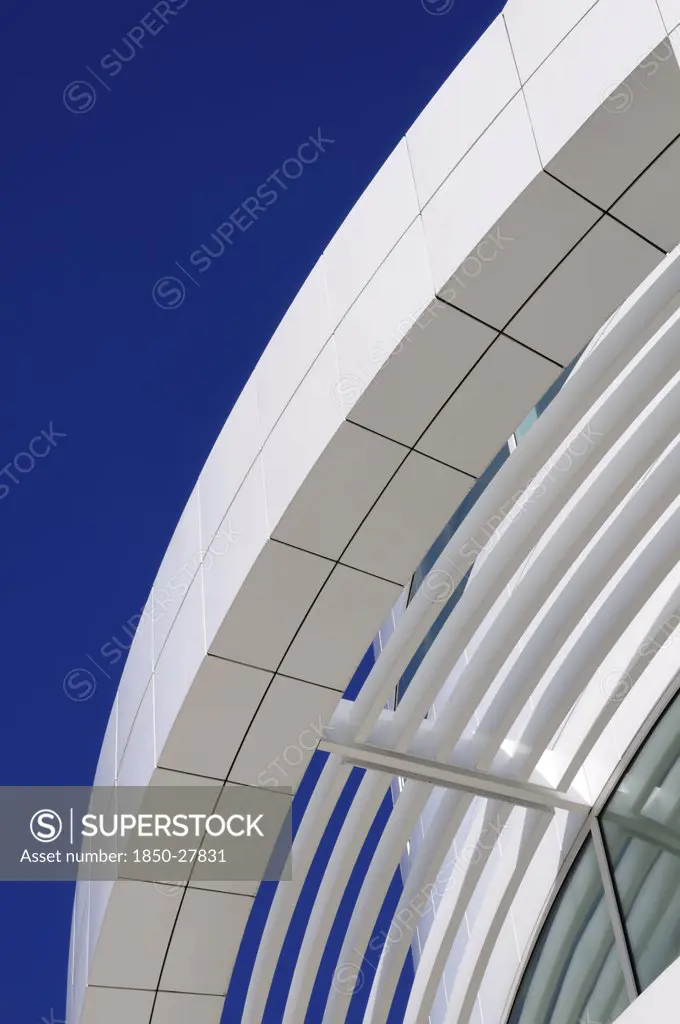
(448, 776)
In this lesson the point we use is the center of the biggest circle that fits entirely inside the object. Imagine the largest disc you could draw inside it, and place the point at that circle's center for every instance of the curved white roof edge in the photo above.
(437, 316)
(582, 455)
(580, 572)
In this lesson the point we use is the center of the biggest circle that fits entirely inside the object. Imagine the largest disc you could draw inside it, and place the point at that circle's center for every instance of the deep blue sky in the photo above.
(96, 207)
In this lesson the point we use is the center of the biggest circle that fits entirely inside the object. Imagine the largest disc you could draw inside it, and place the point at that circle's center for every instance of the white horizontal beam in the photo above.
(448, 776)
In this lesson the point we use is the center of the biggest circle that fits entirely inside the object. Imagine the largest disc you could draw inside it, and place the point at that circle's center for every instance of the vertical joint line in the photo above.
(612, 904)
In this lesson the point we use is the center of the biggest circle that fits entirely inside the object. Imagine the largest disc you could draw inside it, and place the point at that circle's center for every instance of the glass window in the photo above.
(574, 975)
(641, 827)
(471, 498)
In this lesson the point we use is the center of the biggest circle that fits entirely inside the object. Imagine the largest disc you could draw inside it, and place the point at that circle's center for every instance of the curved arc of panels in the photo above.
(562, 781)
(371, 701)
(461, 1008)
(479, 948)
(322, 803)
(396, 831)
(254, 423)
(548, 732)
(383, 988)
(447, 815)
(517, 609)
(631, 663)
(599, 721)
(393, 660)
(447, 920)
(363, 914)
(444, 930)
(596, 372)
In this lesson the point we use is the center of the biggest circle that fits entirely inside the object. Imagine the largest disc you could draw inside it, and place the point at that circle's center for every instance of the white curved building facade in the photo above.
(517, 250)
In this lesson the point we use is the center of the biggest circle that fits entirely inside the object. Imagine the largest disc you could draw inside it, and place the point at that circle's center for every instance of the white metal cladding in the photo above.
(498, 237)
(579, 573)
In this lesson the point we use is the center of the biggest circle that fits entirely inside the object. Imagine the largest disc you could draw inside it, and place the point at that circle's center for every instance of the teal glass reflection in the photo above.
(574, 975)
(641, 828)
